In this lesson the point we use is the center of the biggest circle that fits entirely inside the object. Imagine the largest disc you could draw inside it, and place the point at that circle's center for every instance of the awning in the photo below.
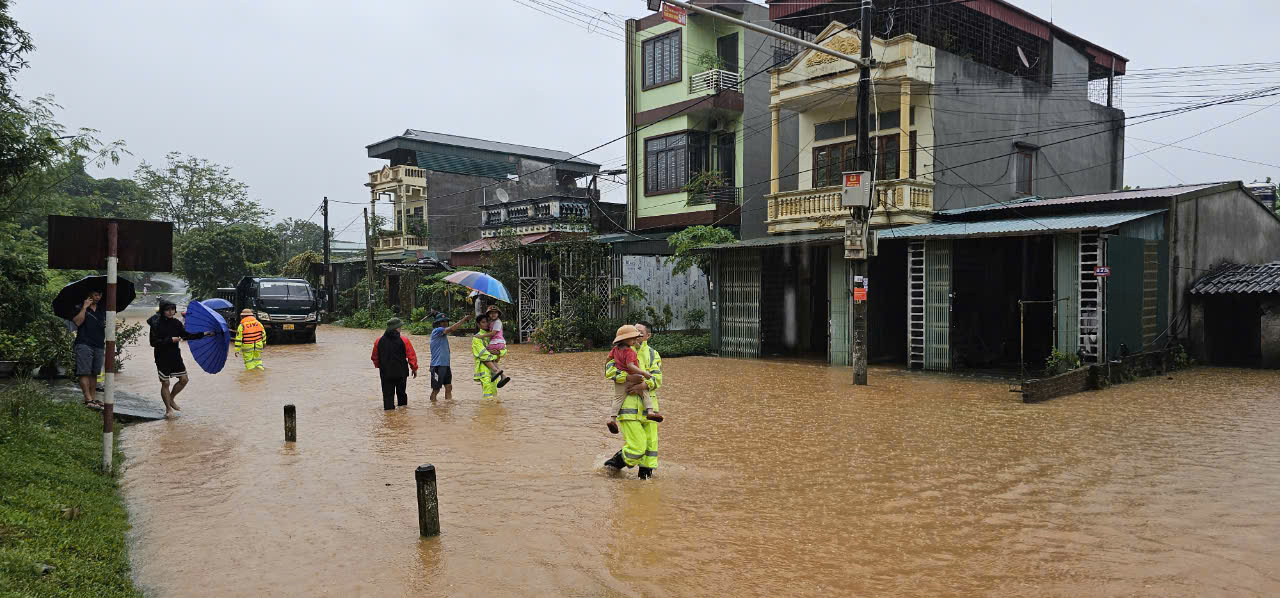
(1014, 226)
(780, 241)
(491, 243)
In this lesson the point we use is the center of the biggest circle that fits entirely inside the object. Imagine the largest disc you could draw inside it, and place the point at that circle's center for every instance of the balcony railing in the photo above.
(727, 194)
(396, 172)
(819, 209)
(714, 80)
(395, 242)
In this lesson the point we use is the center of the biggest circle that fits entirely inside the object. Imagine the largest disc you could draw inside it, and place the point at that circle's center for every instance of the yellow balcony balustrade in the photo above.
(404, 174)
(902, 201)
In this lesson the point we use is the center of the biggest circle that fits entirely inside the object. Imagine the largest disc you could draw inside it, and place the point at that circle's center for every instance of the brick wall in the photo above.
(1120, 371)
(1077, 380)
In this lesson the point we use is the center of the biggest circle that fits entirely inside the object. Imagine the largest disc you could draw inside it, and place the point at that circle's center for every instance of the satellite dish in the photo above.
(1023, 56)
(502, 195)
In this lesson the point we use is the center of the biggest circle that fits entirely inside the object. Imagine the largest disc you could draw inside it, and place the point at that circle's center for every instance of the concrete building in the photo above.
(443, 191)
(698, 97)
(973, 103)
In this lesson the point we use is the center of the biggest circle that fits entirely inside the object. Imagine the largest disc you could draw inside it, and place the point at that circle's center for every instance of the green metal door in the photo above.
(1124, 295)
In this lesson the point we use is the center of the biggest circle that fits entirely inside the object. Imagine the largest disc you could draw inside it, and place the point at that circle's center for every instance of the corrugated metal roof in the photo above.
(495, 146)
(491, 243)
(780, 240)
(1014, 226)
(1154, 192)
(1240, 278)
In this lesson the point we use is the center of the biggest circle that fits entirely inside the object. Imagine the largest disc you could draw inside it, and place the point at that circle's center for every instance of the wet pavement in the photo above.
(776, 478)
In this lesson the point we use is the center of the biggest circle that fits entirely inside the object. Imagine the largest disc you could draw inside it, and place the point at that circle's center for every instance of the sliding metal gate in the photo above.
(738, 300)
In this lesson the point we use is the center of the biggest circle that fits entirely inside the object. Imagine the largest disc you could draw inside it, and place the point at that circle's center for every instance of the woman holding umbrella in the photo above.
(166, 332)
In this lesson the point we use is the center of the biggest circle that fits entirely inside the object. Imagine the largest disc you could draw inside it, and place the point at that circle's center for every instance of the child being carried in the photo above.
(625, 359)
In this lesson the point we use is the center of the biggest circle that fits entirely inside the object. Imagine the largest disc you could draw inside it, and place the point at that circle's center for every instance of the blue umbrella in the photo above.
(481, 283)
(216, 303)
(209, 352)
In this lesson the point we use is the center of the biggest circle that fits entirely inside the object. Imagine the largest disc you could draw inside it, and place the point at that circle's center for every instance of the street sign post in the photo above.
(77, 243)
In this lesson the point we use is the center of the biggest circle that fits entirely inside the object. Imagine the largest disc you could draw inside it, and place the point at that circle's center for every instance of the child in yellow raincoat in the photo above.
(251, 337)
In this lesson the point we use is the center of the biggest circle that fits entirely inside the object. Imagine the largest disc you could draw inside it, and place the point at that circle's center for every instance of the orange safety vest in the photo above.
(251, 330)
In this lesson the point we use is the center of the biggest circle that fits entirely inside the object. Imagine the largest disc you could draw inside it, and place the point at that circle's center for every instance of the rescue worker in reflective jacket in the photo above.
(639, 433)
(480, 351)
(251, 337)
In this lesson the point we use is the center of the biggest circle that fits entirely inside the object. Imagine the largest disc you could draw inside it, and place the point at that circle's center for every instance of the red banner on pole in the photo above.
(675, 14)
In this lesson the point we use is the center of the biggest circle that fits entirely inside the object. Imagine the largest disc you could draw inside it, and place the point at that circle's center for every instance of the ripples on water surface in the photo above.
(776, 479)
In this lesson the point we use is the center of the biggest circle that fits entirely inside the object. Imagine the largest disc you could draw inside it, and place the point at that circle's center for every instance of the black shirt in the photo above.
(93, 332)
(393, 360)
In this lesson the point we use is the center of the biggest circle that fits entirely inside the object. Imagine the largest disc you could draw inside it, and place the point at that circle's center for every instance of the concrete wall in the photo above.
(755, 137)
(1227, 226)
(1271, 333)
(973, 102)
(684, 293)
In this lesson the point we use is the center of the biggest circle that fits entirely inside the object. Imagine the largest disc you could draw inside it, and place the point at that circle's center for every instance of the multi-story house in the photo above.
(698, 102)
(973, 103)
(445, 191)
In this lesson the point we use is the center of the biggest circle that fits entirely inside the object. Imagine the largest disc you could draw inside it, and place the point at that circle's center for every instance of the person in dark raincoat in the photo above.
(167, 331)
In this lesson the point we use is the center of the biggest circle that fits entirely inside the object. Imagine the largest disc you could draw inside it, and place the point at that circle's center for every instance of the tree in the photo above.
(300, 267)
(299, 236)
(193, 192)
(686, 241)
(219, 255)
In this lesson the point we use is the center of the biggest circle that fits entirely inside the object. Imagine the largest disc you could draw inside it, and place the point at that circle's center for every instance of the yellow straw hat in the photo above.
(625, 332)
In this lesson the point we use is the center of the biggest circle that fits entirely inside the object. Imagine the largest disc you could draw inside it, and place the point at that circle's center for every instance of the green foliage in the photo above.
(705, 181)
(1181, 359)
(628, 293)
(217, 256)
(22, 287)
(126, 335)
(680, 345)
(686, 241)
(364, 318)
(696, 317)
(557, 334)
(300, 266)
(709, 61)
(58, 508)
(1060, 363)
(194, 193)
(661, 320)
(438, 293)
(299, 237)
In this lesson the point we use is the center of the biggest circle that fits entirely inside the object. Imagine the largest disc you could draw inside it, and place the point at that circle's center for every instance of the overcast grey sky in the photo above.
(288, 93)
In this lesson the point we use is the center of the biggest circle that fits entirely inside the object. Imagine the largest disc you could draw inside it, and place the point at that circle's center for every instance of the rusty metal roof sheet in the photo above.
(1240, 279)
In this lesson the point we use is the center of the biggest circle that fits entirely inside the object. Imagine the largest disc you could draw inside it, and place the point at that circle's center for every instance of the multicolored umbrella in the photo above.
(481, 283)
(209, 352)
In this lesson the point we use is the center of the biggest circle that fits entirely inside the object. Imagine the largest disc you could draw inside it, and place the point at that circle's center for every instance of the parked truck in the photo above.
(287, 307)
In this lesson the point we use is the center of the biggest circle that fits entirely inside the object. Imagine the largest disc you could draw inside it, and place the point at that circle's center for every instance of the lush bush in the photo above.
(376, 319)
(695, 318)
(557, 334)
(1060, 363)
(680, 345)
(661, 320)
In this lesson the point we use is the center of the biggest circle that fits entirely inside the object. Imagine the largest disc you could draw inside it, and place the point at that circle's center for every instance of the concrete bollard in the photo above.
(290, 424)
(428, 504)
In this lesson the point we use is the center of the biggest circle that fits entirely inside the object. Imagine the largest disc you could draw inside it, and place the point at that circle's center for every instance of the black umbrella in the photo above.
(69, 300)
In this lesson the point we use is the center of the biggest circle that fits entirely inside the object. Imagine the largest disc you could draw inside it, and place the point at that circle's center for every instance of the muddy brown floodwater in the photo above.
(776, 479)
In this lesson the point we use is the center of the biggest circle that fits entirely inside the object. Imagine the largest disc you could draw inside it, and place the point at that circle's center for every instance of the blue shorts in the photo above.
(89, 360)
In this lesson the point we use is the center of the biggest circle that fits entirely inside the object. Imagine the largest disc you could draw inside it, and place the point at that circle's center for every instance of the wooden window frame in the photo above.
(646, 48)
(1024, 186)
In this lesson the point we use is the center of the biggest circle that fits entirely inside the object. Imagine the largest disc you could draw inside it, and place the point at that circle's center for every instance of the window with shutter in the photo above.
(662, 58)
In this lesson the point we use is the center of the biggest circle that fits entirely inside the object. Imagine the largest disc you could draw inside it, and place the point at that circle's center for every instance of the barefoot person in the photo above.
(639, 432)
(90, 345)
(166, 332)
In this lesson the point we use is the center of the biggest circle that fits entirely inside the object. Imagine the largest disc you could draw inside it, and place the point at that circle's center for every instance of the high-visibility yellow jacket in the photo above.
(250, 333)
(650, 361)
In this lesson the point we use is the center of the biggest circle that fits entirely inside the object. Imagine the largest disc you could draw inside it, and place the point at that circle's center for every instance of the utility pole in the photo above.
(862, 224)
(327, 283)
(368, 252)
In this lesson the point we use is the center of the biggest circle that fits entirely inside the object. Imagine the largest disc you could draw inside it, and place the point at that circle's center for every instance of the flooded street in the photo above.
(775, 479)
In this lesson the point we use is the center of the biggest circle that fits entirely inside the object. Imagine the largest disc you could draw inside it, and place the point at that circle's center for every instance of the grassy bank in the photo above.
(56, 509)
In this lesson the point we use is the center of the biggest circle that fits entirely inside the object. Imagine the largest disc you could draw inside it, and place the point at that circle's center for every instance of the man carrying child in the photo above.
(639, 432)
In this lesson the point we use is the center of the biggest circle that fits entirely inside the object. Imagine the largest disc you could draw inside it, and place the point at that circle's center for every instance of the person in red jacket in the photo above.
(394, 357)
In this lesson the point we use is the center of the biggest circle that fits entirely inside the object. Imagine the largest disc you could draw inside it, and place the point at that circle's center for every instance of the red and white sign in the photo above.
(675, 14)
(1102, 271)
(853, 179)
(859, 294)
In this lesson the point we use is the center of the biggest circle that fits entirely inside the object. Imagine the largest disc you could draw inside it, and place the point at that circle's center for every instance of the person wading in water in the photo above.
(166, 332)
